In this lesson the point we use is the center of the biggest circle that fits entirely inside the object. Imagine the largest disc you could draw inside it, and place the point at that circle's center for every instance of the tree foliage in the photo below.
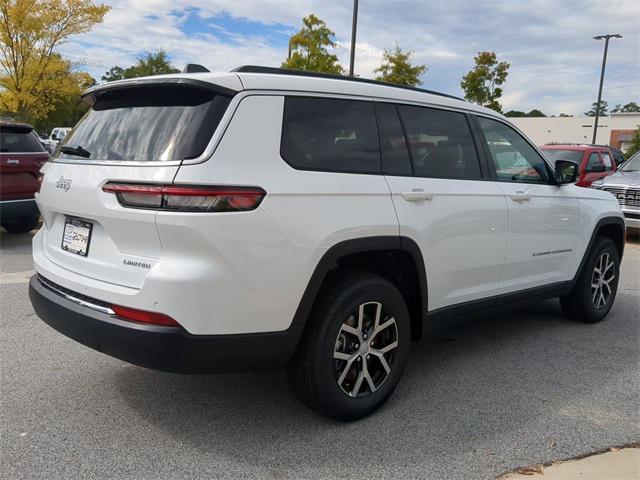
(531, 113)
(310, 48)
(67, 106)
(604, 106)
(482, 85)
(631, 107)
(635, 142)
(33, 76)
(396, 68)
(149, 64)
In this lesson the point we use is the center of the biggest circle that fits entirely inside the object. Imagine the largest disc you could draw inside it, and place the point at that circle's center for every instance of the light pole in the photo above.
(604, 63)
(354, 23)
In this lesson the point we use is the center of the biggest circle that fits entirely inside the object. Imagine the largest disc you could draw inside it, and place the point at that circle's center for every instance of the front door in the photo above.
(543, 217)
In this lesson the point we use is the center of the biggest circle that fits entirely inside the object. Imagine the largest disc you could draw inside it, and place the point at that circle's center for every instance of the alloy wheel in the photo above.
(364, 350)
(603, 274)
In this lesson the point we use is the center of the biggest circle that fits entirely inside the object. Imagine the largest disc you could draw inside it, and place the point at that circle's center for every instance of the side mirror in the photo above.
(566, 172)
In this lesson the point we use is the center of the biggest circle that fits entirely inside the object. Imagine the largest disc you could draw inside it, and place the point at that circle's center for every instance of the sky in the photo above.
(555, 62)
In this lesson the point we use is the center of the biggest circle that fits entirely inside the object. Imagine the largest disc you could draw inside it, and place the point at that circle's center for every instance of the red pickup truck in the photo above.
(21, 156)
(594, 161)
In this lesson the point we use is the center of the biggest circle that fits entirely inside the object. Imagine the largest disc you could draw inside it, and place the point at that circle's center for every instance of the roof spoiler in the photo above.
(90, 96)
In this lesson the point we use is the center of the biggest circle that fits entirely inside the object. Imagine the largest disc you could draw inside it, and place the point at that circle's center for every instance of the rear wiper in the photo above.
(77, 151)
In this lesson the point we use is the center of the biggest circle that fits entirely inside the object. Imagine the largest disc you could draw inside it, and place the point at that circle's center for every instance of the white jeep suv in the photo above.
(260, 218)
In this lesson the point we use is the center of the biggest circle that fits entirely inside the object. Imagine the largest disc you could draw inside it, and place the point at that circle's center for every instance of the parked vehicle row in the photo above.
(56, 136)
(21, 157)
(625, 186)
(264, 219)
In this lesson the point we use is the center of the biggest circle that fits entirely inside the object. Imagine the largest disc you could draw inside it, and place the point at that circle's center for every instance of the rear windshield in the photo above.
(147, 123)
(571, 155)
(12, 141)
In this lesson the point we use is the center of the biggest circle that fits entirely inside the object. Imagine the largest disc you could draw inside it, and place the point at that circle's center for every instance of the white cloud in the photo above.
(554, 62)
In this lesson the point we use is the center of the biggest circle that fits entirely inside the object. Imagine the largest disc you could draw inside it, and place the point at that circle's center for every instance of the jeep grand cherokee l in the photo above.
(260, 219)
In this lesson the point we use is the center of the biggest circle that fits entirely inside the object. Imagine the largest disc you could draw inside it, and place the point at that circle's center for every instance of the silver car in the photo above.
(625, 186)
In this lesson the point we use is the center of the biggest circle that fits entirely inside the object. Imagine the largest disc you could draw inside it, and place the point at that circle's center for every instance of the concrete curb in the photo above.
(616, 463)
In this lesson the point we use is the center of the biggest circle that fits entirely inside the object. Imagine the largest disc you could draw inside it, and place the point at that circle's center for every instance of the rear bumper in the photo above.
(170, 349)
(10, 209)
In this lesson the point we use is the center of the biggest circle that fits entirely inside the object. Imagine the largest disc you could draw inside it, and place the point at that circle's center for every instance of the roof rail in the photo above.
(302, 73)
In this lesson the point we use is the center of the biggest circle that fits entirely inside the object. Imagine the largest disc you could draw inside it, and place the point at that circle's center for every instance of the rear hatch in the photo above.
(21, 157)
(137, 132)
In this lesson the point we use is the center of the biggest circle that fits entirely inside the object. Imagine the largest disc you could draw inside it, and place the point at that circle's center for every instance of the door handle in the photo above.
(520, 196)
(416, 195)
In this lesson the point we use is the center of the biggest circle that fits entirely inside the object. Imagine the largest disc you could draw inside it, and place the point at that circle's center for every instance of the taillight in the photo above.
(143, 316)
(186, 198)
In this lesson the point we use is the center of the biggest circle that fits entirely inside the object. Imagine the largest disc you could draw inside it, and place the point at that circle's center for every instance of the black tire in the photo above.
(580, 304)
(314, 372)
(20, 225)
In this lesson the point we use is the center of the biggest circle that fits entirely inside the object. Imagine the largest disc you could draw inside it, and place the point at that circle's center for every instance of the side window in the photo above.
(393, 145)
(515, 160)
(330, 134)
(594, 163)
(440, 143)
(608, 162)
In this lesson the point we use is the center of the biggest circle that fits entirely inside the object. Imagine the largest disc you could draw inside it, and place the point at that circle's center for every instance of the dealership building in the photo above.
(615, 130)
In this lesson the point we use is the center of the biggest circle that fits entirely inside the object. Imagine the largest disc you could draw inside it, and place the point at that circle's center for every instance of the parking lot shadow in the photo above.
(488, 377)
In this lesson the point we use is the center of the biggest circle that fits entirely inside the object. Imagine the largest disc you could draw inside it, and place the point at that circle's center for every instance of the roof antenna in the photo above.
(194, 68)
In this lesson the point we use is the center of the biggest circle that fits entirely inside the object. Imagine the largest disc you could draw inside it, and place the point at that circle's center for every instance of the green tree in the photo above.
(482, 85)
(631, 107)
(603, 109)
(31, 73)
(531, 113)
(396, 68)
(635, 142)
(68, 107)
(309, 48)
(148, 64)
(565, 115)
(535, 113)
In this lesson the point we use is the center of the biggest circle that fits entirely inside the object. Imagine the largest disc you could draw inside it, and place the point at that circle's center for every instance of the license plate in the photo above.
(77, 236)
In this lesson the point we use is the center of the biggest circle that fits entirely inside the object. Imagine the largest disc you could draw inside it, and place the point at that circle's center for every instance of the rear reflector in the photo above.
(143, 316)
(186, 198)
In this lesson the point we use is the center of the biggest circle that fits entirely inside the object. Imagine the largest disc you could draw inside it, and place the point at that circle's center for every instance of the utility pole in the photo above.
(354, 23)
(604, 63)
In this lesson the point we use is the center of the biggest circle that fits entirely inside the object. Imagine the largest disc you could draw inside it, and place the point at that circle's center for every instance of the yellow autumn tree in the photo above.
(33, 76)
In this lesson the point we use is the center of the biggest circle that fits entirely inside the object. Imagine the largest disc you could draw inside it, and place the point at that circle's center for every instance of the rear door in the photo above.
(21, 157)
(543, 217)
(132, 135)
(458, 219)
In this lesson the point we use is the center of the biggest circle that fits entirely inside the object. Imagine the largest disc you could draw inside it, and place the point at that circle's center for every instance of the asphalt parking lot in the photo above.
(525, 387)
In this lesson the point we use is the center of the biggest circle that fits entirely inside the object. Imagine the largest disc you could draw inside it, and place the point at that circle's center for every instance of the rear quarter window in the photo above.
(332, 135)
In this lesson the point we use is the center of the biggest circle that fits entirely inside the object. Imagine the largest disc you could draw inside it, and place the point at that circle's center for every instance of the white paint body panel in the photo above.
(543, 232)
(462, 233)
(246, 272)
